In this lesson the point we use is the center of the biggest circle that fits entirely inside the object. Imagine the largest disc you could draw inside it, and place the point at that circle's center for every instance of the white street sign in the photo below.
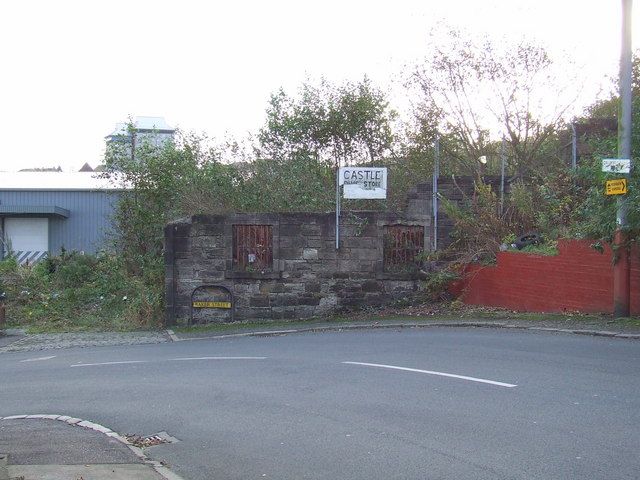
(616, 165)
(363, 182)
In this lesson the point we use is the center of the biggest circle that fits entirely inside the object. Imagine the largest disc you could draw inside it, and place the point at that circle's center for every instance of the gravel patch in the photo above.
(49, 341)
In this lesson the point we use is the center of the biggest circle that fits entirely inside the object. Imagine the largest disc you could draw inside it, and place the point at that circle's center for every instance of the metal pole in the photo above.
(338, 207)
(436, 174)
(503, 158)
(621, 278)
(574, 147)
(133, 146)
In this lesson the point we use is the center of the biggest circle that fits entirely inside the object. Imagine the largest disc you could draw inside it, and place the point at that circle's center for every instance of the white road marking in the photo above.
(429, 372)
(217, 358)
(38, 359)
(165, 360)
(108, 363)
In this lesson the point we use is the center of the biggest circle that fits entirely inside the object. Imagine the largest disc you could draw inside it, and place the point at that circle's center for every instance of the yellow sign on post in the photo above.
(616, 187)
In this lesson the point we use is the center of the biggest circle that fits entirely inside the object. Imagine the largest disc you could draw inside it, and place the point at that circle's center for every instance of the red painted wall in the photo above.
(577, 279)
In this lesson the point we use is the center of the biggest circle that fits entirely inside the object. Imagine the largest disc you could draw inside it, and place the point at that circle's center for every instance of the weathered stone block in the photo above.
(271, 287)
(290, 253)
(181, 244)
(305, 312)
(214, 253)
(181, 230)
(286, 313)
(210, 275)
(363, 254)
(309, 229)
(253, 313)
(290, 230)
(359, 242)
(327, 304)
(259, 301)
(310, 254)
(346, 266)
(309, 299)
(312, 287)
(313, 242)
(371, 286)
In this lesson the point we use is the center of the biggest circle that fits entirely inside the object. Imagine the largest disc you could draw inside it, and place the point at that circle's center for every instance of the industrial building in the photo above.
(45, 211)
(42, 213)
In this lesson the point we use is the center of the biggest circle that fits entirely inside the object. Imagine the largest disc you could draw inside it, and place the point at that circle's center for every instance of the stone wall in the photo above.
(308, 276)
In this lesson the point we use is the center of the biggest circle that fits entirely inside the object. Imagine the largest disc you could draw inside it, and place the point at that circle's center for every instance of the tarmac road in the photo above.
(424, 404)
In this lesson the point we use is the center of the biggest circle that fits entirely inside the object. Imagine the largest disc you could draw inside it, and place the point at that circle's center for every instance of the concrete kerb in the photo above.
(171, 334)
(336, 328)
(78, 422)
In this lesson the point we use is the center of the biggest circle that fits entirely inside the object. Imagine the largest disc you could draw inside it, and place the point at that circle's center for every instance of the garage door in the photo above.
(28, 238)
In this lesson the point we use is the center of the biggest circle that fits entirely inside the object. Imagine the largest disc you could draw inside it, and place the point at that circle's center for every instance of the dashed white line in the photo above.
(38, 359)
(108, 363)
(216, 358)
(430, 372)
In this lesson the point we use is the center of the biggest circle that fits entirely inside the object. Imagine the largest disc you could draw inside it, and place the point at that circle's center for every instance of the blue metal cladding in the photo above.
(89, 226)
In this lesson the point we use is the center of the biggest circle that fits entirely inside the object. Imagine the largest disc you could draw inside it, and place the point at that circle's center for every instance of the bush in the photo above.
(78, 292)
(479, 225)
(437, 283)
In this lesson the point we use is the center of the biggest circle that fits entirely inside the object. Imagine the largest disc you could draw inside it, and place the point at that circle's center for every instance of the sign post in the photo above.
(434, 198)
(366, 182)
(616, 187)
(621, 268)
(338, 209)
(359, 183)
(616, 165)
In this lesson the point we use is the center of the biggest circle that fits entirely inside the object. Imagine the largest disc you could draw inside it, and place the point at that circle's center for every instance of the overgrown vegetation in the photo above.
(552, 199)
(78, 292)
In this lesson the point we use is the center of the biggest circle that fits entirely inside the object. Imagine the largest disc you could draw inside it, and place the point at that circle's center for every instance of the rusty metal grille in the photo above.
(252, 247)
(402, 244)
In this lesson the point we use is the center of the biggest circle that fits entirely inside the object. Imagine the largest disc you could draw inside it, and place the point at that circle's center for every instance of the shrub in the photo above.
(77, 292)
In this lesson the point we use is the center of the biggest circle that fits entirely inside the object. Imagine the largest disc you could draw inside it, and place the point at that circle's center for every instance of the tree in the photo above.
(337, 124)
(473, 93)
(161, 184)
(608, 108)
(597, 213)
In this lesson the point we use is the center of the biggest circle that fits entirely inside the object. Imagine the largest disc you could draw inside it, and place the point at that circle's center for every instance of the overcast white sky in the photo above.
(72, 69)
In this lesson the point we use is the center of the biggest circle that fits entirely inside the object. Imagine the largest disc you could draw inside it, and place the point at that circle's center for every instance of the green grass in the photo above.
(448, 312)
(77, 292)
(547, 249)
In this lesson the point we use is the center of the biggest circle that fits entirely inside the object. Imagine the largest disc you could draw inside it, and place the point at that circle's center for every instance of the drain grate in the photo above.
(150, 440)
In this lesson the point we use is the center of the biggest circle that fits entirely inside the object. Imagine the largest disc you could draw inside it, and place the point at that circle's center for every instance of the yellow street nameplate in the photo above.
(616, 187)
(211, 304)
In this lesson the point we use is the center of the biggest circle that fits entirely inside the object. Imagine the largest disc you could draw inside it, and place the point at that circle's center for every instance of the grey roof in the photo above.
(57, 181)
(47, 210)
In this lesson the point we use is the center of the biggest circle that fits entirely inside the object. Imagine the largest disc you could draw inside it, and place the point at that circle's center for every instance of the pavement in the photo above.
(16, 340)
(55, 447)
